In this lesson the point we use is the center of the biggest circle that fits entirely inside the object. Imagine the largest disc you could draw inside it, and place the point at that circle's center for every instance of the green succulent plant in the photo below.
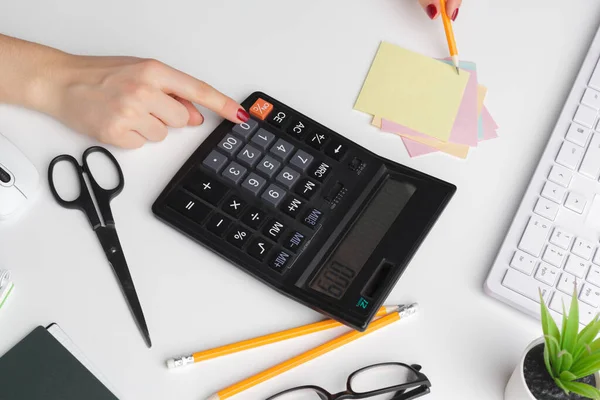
(569, 354)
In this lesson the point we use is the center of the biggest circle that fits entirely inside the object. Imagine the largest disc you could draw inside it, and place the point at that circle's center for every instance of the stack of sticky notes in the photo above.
(426, 102)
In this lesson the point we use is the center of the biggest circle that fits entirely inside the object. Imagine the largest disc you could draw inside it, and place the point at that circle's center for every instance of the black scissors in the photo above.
(106, 232)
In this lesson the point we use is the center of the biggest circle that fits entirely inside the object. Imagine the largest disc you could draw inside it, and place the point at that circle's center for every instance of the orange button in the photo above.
(261, 109)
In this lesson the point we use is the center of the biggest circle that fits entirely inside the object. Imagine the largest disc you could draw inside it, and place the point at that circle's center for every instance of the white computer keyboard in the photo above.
(553, 242)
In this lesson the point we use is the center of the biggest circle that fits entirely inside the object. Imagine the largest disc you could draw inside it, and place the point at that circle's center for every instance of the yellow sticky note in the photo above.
(376, 121)
(481, 93)
(413, 90)
(456, 150)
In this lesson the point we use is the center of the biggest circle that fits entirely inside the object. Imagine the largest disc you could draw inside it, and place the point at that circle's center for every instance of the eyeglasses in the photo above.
(386, 381)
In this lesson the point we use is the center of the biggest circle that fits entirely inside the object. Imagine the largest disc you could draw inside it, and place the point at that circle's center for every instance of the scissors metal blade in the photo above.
(114, 252)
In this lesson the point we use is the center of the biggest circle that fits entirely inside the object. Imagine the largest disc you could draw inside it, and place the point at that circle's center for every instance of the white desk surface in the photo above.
(313, 55)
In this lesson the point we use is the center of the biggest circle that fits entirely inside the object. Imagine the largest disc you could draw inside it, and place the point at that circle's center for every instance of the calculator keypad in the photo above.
(273, 195)
(301, 160)
(215, 161)
(234, 172)
(249, 156)
(246, 129)
(254, 183)
(288, 177)
(206, 188)
(282, 149)
(230, 144)
(263, 139)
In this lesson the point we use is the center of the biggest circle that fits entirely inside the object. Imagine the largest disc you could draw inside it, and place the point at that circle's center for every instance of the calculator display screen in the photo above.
(363, 238)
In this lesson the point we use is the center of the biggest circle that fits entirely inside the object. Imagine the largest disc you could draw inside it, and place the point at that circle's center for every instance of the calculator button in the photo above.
(279, 261)
(282, 149)
(287, 177)
(268, 166)
(215, 161)
(245, 129)
(254, 183)
(278, 118)
(234, 172)
(294, 241)
(273, 195)
(254, 218)
(249, 156)
(230, 144)
(218, 224)
(188, 206)
(336, 150)
(292, 206)
(206, 188)
(312, 218)
(238, 236)
(306, 188)
(263, 139)
(259, 248)
(274, 229)
(301, 160)
(297, 129)
(317, 139)
(261, 109)
(320, 171)
(234, 205)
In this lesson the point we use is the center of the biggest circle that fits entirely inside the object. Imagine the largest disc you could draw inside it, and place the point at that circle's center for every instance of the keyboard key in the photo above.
(312, 218)
(273, 195)
(301, 160)
(263, 139)
(554, 256)
(215, 161)
(591, 98)
(259, 248)
(578, 134)
(294, 241)
(234, 172)
(206, 188)
(278, 118)
(254, 183)
(594, 275)
(586, 313)
(279, 261)
(590, 166)
(317, 140)
(336, 150)
(576, 266)
(298, 129)
(566, 283)
(268, 166)
(282, 149)
(585, 116)
(523, 262)
(569, 155)
(561, 176)
(534, 237)
(249, 156)
(287, 177)
(230, 144)
(554, 192)
(595, 79)
(523, 284)
(547, 274)
(246, 129)
(274, 229)
(261, 109)
(306, 188)
(320, 171)
(254, 218)
(234, 205)
(238, 236)
(218, 224)
(292, 206)
(188, 206)
(590, 294)
(546, 209)
(597, 257)
(576, 202)
(561, 238)
(583, 249)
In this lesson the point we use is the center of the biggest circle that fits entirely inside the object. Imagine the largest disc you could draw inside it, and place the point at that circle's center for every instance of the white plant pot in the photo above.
(517, 389)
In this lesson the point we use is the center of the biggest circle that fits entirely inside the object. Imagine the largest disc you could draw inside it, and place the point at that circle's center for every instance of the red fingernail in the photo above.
(455, 15)
(431, 11)
(243, 115)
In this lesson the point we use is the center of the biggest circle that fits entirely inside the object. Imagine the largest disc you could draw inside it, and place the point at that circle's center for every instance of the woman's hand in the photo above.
(432, 8)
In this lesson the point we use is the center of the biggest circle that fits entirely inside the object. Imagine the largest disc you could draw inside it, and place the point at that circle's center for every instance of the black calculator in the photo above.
(308, 212)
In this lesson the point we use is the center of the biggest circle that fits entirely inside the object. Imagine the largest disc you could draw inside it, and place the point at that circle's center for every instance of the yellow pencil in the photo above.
(450, 36)
(264, 340)
(312, 354)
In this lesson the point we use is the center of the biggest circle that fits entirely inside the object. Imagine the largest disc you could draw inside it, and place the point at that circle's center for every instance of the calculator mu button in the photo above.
(234, 172)
(274, 229)
(238, 236)
(215, 161)
(279, 261)
(263, 139)
(254, 183)
(206, 188)
(336, 150)
(259, 248)
(188, 206)
(320, 171)
(297, 129)
(273, 195)
(312, 218)
(317, 139)
(278, 118)
(234, 205)
(245, 129)
(301, 160)
(218, 224)
(230, 144)
(268, 166)
(254, 218)
(282, 149)
(287, 177)
(306, 188)
(261, 109)
(294, 241)
(292, 206)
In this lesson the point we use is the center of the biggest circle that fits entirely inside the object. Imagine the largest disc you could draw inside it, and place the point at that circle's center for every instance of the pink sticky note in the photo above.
(489, 125)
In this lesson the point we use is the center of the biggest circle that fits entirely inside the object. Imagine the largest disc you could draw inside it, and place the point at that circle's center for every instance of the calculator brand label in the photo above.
(362, 303)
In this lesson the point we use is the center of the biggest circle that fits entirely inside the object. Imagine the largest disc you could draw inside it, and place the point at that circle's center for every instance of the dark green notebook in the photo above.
(43, 366)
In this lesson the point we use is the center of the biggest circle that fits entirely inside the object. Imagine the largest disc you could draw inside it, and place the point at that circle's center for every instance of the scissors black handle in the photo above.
(84, 202)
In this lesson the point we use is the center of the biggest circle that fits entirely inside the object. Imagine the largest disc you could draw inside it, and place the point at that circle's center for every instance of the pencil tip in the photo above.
(457, 71)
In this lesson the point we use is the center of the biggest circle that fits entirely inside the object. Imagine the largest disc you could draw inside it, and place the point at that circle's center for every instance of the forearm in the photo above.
(27, 72)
